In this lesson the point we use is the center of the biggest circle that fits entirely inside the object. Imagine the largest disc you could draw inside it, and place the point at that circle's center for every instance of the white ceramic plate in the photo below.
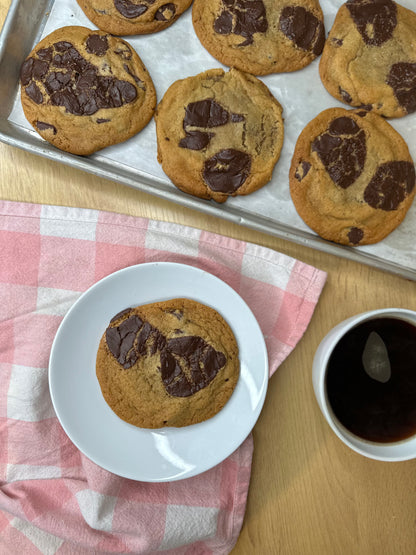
(168, 453)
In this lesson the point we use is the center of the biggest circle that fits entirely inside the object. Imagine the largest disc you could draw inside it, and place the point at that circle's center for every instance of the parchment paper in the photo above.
(176, 53)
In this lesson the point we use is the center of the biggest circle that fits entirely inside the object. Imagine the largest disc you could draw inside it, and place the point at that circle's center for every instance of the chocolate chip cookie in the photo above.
(260, 36)
(219, 134)
(170, 363)
(133, 17)
(369, 58)
(352, 179)
(83, 90)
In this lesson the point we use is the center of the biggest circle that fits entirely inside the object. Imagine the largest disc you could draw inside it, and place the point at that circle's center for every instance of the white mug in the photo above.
(395, 451)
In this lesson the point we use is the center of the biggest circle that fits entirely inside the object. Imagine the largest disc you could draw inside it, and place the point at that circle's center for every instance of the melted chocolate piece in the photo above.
(139, 82)
(120, 314)
(236, 118)
(26, 71)
(34, 93)
(120, 341)
(201, 361)
(342, 150)
(346, 97)
(73, 82)
(206, 114)
(165, 12)
(355, 235)
(42, 126)
(402, 79)
(242, 17)
(375, 19)
(129, 9)
(177, 313)
(227, 170)
(123, 51)
(390, 185)
(302, 170)
(303, 28)
(97, 44)
(187, 364)
(33, 69)
(45, 54)
(195, 140)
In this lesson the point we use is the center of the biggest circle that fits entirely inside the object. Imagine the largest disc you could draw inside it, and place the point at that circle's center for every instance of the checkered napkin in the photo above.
(53, 499)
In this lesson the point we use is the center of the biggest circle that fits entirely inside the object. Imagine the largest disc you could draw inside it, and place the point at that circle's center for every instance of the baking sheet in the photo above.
(177, 53)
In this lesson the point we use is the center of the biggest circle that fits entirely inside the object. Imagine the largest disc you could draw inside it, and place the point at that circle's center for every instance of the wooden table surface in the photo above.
(309, 494)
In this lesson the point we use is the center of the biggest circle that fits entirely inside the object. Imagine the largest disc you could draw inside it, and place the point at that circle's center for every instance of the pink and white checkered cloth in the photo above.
(53, 500)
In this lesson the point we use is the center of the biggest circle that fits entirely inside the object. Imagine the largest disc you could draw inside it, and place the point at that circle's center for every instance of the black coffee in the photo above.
(371, 380)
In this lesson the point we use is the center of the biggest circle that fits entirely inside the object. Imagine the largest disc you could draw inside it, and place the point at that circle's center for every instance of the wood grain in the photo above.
(309, 494)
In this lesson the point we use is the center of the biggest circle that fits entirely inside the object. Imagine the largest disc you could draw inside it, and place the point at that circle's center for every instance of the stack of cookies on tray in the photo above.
(220, 133)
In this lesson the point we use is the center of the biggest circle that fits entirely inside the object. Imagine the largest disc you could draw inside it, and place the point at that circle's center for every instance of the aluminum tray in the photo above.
(269, 210)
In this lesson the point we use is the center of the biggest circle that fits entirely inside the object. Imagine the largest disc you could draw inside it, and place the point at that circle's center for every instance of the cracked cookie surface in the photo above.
(260, 36)
(352, 179)
(171, 363)
(219, 134)
(133, 17)
(369, 57)
(83, 90)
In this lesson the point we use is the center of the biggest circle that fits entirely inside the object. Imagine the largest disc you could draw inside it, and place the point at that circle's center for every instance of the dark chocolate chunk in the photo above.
(45, 54)
(33, 68)
(97, 44)
(355, 235)
(337, 42)
(201, 361)
(227, 170)
(63, 46)
(165, 12)
(187, 364)
(120, 314)
(26, 71)
(176, 312)
(42, 126)
(302, 170)
(303, 28)
(169, 368)
(34, 93)
(236, 118)
(139, 82)
(342, 150)
(390, 185)
(205, 113)
(195, 140)
(123, 51)
(402, 79)
(103, 120)
(57, 80)
(130, 10)
(367, 107)
(243, 18)
(39, 69)
(346, 97)
(375, 19)
(76, 85)
(120, 340)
